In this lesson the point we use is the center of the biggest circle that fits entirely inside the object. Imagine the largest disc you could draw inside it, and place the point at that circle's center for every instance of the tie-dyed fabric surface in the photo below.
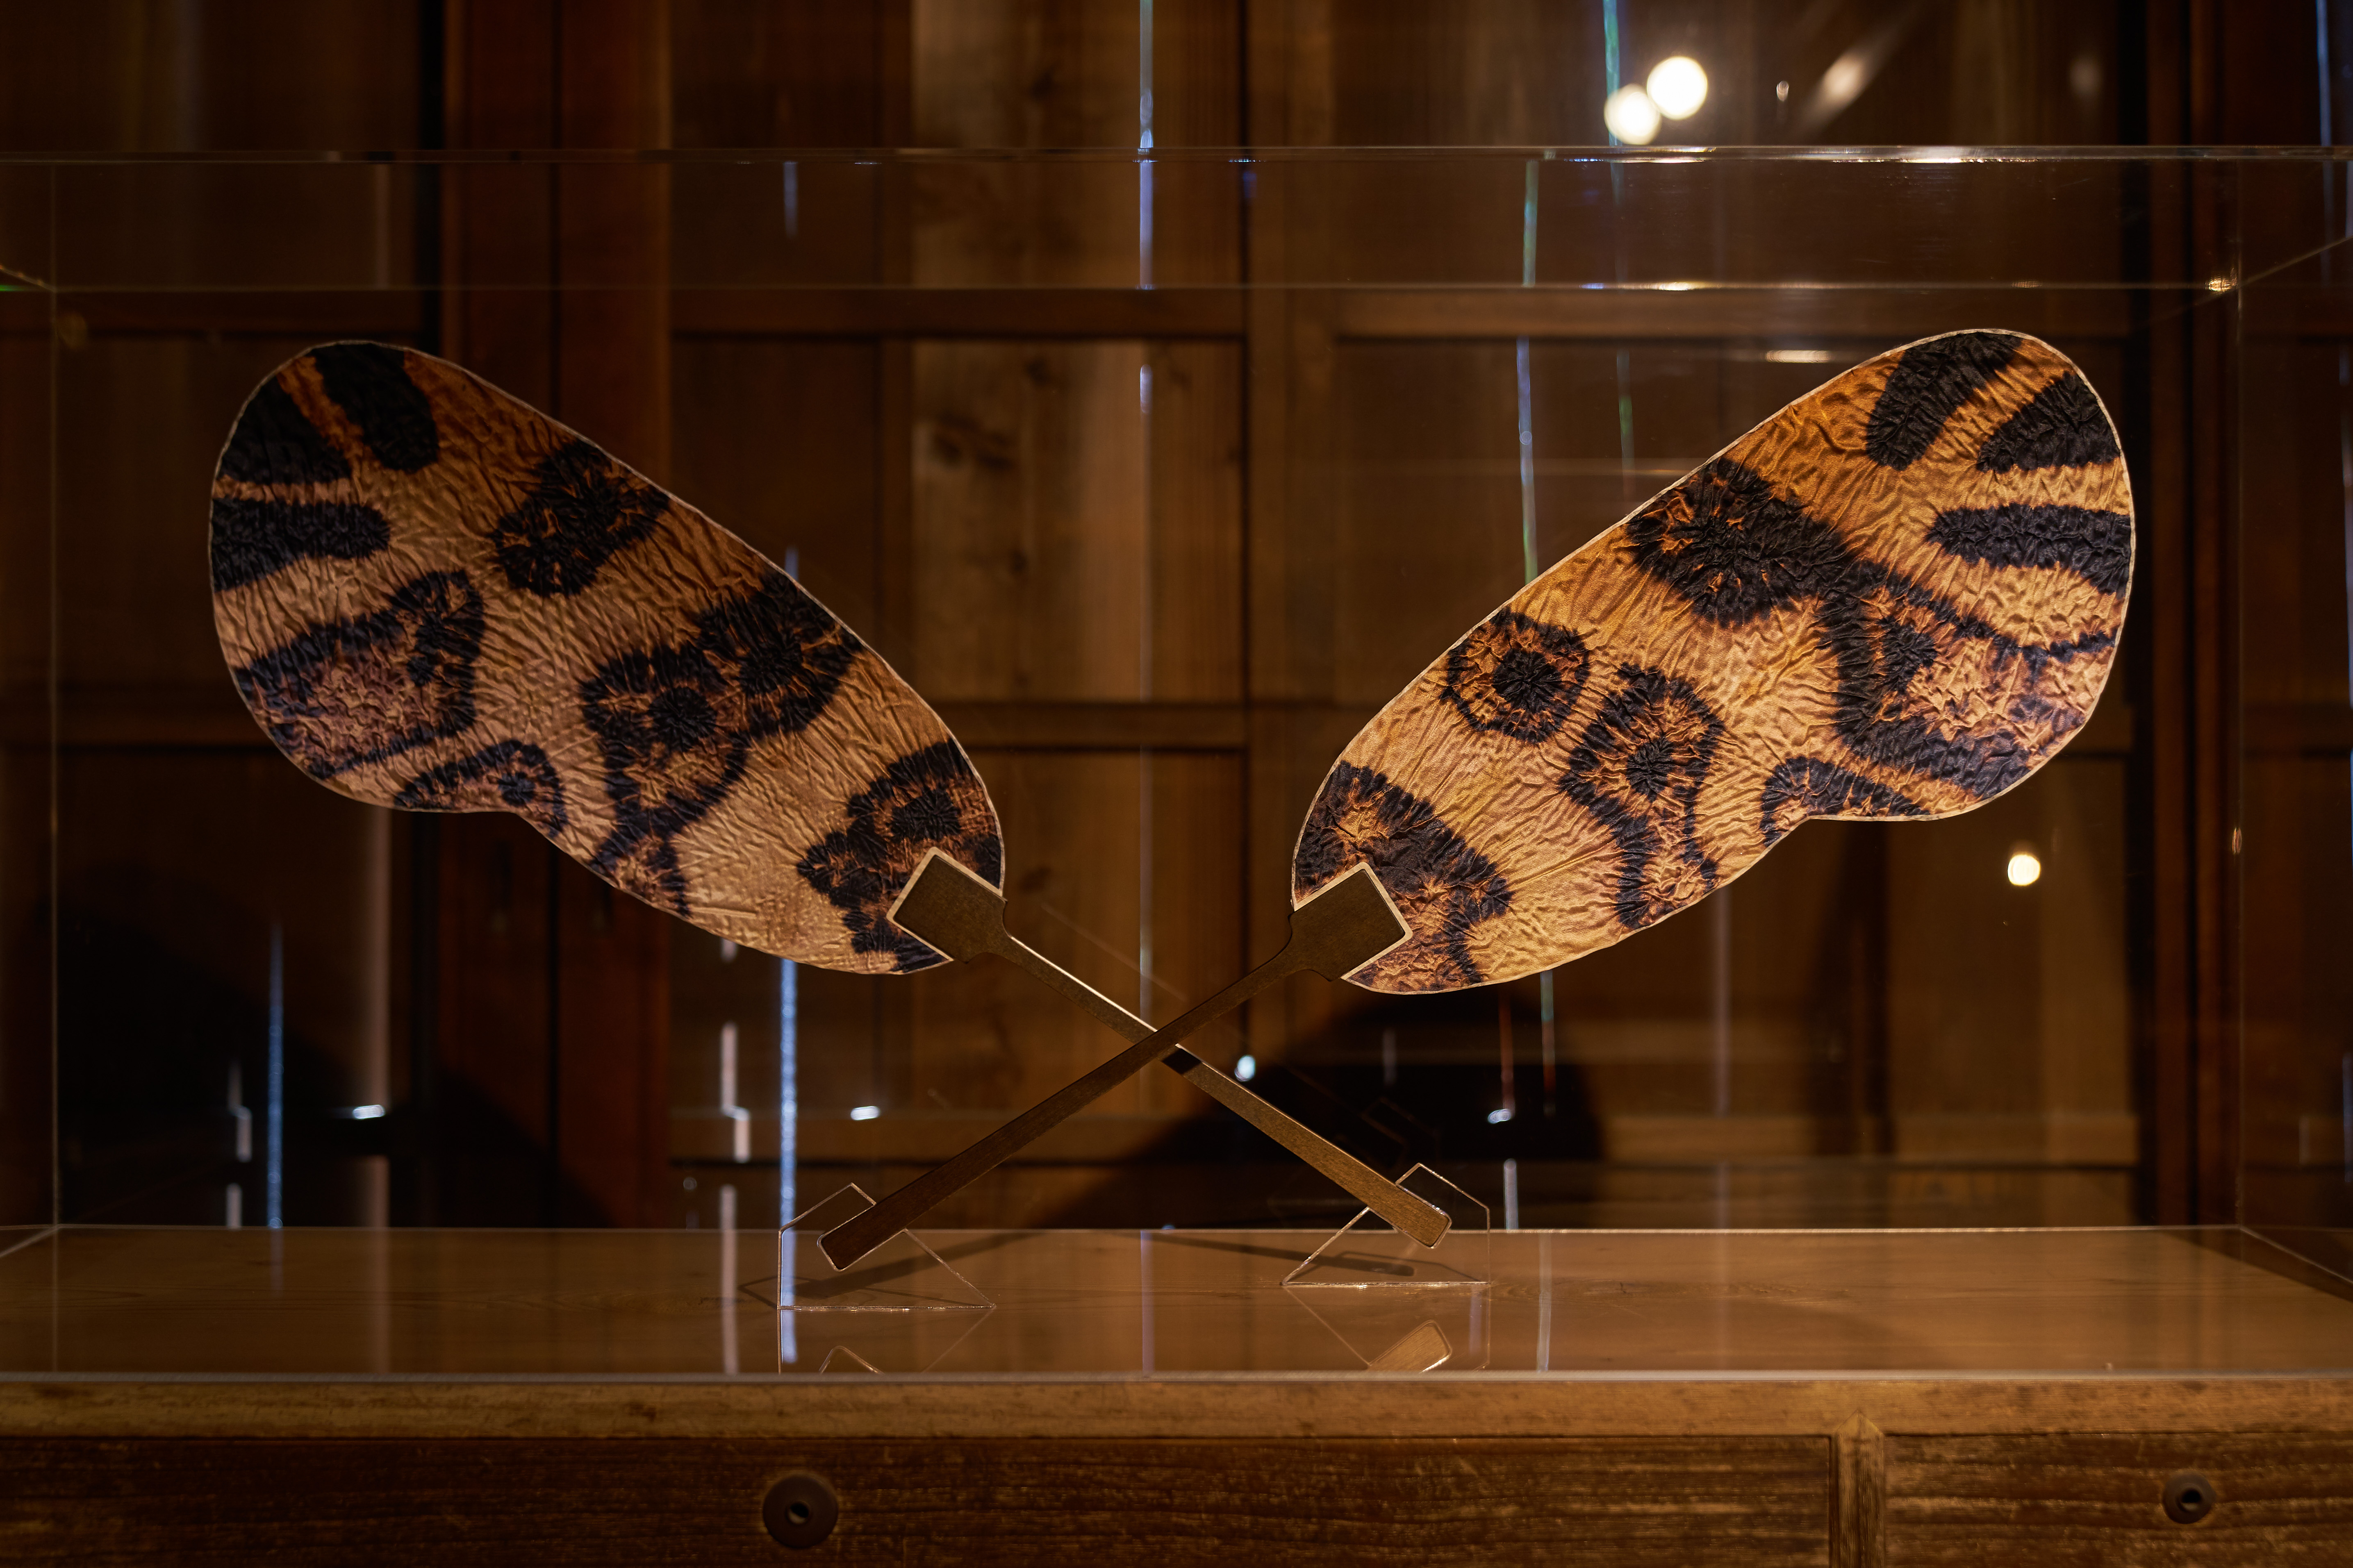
(433, 597)
(1897, 597)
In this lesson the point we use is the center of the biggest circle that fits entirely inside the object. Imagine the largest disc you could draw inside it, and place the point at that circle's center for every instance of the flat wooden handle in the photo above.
(846, 1244)
(1348, 924)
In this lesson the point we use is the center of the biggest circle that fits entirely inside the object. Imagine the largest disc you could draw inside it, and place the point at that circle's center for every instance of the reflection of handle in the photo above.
(1347, 925)
(1424, 1348)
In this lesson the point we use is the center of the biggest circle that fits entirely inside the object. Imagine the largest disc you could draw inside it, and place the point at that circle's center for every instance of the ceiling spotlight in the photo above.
(1678, 87)
(1631, 116)
(2025, 867)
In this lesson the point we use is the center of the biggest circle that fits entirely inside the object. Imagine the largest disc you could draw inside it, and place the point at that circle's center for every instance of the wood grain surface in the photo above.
(1630, 1501)
(1365, 1405)
(2082, 1498)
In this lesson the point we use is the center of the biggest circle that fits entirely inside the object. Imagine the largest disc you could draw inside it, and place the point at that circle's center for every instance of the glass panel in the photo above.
(2294, 504)
(1115, 1305)
(1155, 554)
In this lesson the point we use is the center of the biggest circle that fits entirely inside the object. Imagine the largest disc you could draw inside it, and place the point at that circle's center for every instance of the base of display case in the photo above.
(1634, 1397)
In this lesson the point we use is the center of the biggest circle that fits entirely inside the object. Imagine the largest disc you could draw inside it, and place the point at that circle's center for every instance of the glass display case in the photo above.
(1156, 475)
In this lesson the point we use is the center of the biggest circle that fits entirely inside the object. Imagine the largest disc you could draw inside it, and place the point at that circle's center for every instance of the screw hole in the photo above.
(2188, 1497)
(801, 1509)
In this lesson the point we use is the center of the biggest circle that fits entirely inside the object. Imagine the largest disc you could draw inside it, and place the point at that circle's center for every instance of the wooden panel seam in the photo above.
(1859, 1487)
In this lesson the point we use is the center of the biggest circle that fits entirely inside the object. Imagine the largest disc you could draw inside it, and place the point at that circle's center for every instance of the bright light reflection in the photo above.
(1843, 83)
(864, 1112)
(1246, 1070)
(366, 1113)
(1631, 116)
(1497, 1118)
(1798, 356)
(2025, 868)
(1678, 87)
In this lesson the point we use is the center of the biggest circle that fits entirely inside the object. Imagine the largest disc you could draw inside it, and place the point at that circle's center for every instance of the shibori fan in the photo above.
(1896, 598)
(432, 597)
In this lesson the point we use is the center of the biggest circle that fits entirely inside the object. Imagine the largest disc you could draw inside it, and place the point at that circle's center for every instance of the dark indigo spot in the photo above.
(1650, 768)
(1515, 676)
(252, 538)
(2094, 545)
(1926, 388)
(1527, 679)
(2063, 427)
(275, 444)
(1442, 886)
(582, 510)
(369, 382)
(1733, 548)
(1904, 652)
(1803, 787)
(931, 814)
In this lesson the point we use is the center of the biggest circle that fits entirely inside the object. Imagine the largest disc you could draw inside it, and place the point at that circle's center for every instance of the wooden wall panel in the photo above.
(612, 1095)
(1003, 75)
(2009, 1010)
(1078, 522)
(1193, 597)
(1013, 75)
(780, 76)
(488, 1127)
(1032, 550)
(777, 223)
(1425, 471)
(1492, 73)
(138, 77)
(133, 537)
(1193, 807)
(777, 442)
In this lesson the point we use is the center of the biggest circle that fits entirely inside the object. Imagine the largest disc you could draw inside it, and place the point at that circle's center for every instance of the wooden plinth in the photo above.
(1848, 1398)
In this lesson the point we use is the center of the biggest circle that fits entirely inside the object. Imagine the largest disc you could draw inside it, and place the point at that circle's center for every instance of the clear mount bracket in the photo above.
(1398, 1306)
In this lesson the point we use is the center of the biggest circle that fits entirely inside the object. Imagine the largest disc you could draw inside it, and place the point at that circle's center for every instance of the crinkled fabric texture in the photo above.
(1896, 598)
(433, 597)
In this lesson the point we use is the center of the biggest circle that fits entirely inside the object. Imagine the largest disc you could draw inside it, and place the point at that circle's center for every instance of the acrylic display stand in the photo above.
(899, 1308)
(902, 1275)
(1369, 1254)
(1397, 1305)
